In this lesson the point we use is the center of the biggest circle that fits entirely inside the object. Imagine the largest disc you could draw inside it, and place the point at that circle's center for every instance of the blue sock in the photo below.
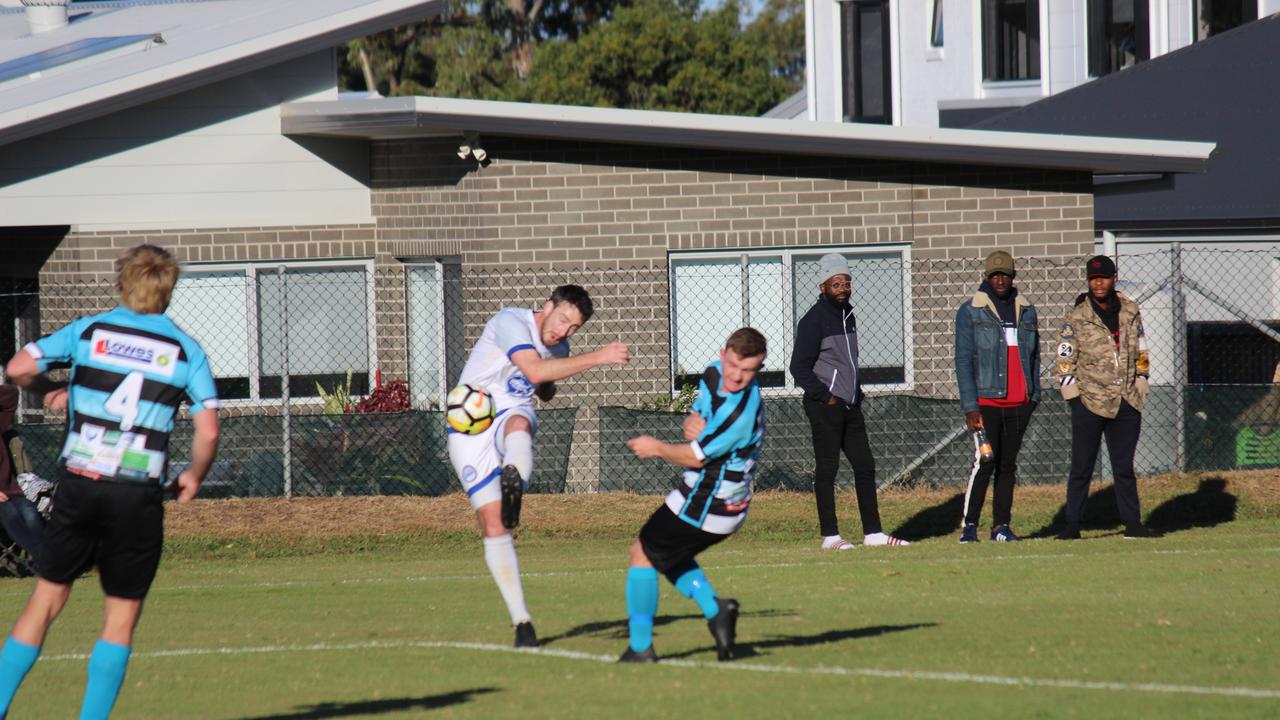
(642, 605)
(693, 584)
(15, 660)
(106, 674)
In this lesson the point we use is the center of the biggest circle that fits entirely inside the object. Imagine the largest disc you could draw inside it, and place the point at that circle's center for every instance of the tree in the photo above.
(664, 55)
(658, 54)
(473, 48)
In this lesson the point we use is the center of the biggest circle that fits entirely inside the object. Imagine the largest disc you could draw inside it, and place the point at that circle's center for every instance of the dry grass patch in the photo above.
(620, 514)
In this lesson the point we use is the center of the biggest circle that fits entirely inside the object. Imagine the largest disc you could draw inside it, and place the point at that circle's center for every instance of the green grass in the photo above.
(412, 626)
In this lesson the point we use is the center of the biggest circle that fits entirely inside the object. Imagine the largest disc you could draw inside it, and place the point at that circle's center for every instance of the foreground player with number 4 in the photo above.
(520, 353)
(724, 433)
(130, 368)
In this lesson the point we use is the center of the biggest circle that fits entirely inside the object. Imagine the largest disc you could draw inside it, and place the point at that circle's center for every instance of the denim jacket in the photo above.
(981, 350)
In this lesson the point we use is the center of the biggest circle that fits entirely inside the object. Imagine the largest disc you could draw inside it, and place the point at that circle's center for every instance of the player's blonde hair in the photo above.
(145, 278)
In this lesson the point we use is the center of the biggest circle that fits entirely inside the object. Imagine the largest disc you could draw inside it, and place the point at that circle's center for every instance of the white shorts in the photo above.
(477, 461)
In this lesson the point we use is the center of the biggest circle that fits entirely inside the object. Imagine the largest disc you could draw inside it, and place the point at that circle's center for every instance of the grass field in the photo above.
(356, 607)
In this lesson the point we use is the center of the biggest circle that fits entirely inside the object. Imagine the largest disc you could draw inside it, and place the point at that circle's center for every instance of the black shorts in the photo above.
(671, 544)
(117, 526)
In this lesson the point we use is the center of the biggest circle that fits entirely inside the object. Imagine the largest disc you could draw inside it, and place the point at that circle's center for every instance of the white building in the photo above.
(951, 63)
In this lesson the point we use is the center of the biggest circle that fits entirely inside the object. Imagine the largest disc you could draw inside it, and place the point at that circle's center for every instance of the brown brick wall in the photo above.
(606, 216)
(77, 278)
(555, 205)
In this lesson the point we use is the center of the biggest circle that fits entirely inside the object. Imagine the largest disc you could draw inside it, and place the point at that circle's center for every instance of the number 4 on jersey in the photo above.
(124, 400)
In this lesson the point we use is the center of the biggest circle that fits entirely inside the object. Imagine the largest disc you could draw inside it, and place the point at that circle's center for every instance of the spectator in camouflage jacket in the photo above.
(1102, 368)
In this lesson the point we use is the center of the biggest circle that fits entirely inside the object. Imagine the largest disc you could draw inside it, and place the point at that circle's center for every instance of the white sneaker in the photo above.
(882, 539)
(835, 542)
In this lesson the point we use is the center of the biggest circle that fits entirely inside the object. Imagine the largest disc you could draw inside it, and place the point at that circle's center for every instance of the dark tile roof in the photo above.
(1225, 89)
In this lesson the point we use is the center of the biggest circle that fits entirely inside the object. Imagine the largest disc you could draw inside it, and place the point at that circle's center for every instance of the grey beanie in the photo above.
(832, 264)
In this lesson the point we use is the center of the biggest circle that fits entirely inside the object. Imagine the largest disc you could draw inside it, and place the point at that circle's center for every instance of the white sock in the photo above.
(831, 541)
(500, 556)
(882, 539)
(517, 450)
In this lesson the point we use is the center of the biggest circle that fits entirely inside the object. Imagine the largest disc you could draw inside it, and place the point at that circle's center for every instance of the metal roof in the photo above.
(1225, 89)
(431, 116)
(201, 42)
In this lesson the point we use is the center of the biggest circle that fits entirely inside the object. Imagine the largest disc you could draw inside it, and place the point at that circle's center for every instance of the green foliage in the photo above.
(338, 401)
(644, 54)
(681, 403)
(661, 55)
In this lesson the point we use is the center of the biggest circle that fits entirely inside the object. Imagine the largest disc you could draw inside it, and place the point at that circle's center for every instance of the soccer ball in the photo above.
(470, 410)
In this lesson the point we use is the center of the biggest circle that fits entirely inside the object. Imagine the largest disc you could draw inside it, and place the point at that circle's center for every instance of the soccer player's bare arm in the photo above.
(693, 426)
(204, 445)
(678, 454)
(24, 371)
(539, 369)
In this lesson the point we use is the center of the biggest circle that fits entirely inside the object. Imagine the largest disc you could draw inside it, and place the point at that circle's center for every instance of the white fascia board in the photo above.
(156, 80)
(429, 116)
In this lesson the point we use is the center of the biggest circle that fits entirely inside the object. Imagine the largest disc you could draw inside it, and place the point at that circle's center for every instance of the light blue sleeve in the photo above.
(200, 386)
(59, 347)
(512, 334)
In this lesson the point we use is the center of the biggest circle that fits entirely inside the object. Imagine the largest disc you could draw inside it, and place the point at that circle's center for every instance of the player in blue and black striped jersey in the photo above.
(724, 432)
(131, 367)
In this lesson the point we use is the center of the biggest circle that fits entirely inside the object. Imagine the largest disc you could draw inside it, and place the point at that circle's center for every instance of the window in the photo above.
(935, 28)
(1119, 35)
(433, 301)
(1218, 16)
(713, 294)
(1010, 39)
(313, 323)
(867, 61)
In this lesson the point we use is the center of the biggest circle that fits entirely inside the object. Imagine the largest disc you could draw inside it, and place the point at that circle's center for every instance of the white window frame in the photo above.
(789, 388)
(252, 270)
(439, 265)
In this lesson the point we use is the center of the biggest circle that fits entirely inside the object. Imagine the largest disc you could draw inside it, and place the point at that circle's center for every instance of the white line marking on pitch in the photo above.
(954, 677)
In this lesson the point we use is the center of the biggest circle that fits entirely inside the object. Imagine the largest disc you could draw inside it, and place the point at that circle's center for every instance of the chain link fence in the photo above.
(333, 374)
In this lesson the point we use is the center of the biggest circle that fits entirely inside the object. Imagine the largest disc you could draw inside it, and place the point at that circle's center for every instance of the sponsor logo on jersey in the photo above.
(520, 386)
(134, 352)
(468, 475)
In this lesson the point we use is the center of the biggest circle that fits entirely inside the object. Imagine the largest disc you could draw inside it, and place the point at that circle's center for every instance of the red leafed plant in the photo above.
(392, 397)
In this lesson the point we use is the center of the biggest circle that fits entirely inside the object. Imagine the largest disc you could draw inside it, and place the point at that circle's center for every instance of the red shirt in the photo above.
(1016, 387)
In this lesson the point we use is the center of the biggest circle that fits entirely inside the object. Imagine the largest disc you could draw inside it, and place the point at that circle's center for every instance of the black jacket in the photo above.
(825, 359)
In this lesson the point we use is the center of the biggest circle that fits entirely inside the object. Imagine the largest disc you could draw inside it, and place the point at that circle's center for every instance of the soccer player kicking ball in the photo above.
(519, 354)
(130, 368)
(725, 431)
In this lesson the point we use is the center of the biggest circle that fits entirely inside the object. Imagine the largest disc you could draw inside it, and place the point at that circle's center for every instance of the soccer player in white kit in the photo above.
(520, 353)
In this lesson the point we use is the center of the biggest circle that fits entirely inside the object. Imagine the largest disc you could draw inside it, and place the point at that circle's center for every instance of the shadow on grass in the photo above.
(937, 521)
(619, 630)
(1100, 513)
(752, 649)
(376, 707)
(1208, 506)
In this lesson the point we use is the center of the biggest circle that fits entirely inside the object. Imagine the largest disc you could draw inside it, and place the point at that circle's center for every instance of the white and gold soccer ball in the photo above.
(470, 409)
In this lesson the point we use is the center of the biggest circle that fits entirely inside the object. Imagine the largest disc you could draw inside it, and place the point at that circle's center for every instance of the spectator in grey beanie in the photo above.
(824, 364)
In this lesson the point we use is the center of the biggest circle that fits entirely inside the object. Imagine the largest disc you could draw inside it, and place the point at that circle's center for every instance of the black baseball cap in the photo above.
(1099, 266)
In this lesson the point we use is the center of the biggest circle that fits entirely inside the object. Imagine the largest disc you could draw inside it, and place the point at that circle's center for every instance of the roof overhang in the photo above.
(409, 117)
(204, 43)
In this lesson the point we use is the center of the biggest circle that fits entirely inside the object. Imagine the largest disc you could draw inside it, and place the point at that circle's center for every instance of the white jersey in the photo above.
(490, 368)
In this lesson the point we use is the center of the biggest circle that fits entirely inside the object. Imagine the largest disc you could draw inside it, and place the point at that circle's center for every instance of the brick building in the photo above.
(323, 235)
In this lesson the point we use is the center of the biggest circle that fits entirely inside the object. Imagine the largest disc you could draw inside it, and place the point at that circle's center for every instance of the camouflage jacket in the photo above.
(1090, 367)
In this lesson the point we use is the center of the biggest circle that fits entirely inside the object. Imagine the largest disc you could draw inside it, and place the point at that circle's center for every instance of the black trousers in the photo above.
(838, 428)
(1005, 428)
(1122, 433)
